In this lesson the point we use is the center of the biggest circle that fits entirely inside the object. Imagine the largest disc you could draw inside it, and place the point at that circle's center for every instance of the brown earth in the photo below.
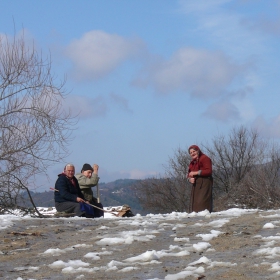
(22, 246)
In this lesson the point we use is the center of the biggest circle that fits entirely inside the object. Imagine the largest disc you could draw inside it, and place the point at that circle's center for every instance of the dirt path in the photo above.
(23, 244)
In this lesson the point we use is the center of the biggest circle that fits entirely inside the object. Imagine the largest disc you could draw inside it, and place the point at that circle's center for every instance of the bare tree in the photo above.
(34, 128)
(245, 169)
(261, 186)
(170, 193)
(234, 156)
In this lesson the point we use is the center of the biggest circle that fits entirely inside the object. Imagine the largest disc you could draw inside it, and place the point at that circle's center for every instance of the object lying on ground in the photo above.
(120, 211)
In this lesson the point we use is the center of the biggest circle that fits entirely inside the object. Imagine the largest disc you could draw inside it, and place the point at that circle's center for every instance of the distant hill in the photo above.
(115, 193)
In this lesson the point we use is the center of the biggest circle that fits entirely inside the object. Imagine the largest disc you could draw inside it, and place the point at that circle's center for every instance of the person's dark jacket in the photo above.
(66, 190)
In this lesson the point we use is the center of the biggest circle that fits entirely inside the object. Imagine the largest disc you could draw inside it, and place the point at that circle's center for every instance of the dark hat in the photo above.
(87, 166)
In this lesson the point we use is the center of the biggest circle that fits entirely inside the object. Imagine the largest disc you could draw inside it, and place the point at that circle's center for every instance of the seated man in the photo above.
(68, 196)
(87, 179)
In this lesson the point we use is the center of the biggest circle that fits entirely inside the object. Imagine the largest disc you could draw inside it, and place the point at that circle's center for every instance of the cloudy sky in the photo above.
(148, 77)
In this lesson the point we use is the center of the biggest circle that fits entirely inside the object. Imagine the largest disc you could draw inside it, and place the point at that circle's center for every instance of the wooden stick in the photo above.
(97, 192)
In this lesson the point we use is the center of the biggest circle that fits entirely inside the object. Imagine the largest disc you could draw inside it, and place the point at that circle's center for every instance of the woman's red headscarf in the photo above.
(195, 147)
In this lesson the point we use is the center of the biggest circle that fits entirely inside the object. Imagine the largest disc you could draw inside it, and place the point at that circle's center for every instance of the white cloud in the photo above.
(92, 107)
(202, 73)
(233, 106)
(221, 24)
(222, 111)
(121, 102)
(25, 34)
(268, 128)
(270, 26)
(98, 53)
(263, 17)
(86, 107)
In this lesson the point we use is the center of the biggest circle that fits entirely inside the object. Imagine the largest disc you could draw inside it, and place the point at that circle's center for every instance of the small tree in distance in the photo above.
(34, 128)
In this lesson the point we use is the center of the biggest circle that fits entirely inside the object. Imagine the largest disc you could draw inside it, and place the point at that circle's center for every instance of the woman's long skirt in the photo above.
(201, 196)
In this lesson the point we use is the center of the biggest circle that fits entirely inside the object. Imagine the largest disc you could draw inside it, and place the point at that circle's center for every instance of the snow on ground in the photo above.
(218, 219)
(110, 214)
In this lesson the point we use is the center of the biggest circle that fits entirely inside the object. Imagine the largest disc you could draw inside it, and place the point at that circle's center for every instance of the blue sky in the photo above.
(149, 77)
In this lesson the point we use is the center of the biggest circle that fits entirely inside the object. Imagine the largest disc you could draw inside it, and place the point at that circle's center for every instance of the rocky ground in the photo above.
(22, 245)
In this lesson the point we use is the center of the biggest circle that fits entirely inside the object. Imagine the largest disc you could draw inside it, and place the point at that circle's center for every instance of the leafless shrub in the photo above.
(234, 156)
(245, 170)
(261, 187)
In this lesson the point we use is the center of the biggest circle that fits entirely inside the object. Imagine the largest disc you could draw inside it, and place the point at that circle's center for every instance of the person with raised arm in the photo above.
(87, 179)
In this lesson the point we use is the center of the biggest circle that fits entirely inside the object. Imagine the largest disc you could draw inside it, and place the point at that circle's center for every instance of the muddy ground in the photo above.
(22, 246)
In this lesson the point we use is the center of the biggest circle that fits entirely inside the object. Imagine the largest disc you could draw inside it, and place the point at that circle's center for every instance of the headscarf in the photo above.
(194, 164)
(195, 147)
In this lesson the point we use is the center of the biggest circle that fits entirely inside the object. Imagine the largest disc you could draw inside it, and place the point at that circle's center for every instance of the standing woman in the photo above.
(200, 176)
